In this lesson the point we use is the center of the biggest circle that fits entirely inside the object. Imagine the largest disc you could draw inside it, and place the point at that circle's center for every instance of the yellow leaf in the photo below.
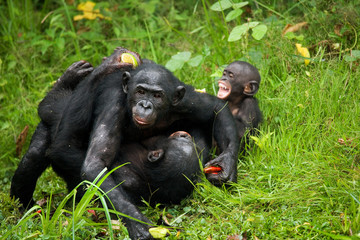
(88, 11)
(159, 232)
(304, 52)
(201, 90)
(90, 15)
(86, 6)
(78, 17)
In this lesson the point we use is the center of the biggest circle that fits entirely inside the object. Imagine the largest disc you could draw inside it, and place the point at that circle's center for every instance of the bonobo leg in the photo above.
(52, 106)
(31, 166)
(50, 110)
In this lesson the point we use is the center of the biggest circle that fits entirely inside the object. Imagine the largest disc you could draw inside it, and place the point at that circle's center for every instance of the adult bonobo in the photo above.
(110, 110)
(238, 85)
(161, 170)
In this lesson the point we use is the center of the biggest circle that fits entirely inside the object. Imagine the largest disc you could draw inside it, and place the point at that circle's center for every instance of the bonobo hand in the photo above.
(75, 73)
(116, 61)
(227, 163)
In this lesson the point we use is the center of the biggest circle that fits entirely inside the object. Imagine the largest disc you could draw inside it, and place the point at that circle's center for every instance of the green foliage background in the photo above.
(300, 177)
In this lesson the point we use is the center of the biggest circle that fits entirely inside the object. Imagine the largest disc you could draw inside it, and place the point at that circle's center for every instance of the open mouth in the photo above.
(180, 134)
(224, 89)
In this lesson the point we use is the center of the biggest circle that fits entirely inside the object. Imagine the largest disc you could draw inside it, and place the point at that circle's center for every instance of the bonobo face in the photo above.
(177, 146)
(239, 78)
(152, 91)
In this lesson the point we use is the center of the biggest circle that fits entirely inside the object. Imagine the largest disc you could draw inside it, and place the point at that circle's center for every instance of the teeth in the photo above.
(223, 87)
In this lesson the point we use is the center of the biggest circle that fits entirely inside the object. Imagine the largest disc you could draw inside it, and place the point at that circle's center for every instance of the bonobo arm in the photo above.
(209, 109)
(110, 64)
(247, 116)
(105, 140)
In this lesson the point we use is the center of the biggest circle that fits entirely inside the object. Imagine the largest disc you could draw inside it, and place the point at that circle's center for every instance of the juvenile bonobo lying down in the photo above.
(238, 85)
(161, 170)
(116, 106)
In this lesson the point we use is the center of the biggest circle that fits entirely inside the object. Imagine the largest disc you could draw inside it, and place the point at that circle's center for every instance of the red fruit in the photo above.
(213, 170)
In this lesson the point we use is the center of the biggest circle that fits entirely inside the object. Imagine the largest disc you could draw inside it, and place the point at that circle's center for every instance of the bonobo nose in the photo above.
(145, 104)
(180, 134)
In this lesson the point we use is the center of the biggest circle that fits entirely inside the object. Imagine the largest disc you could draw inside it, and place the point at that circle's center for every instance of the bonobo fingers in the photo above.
(123, 57)
(227, 174)
(75, 73)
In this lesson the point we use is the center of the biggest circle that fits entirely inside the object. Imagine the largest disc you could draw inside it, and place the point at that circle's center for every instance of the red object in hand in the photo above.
(213, 170)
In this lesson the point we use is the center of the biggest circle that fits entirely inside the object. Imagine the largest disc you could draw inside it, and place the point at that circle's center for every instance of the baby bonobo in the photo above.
(238, 85)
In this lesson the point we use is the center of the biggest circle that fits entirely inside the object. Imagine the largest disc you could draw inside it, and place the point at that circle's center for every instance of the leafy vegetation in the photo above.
(300, 177)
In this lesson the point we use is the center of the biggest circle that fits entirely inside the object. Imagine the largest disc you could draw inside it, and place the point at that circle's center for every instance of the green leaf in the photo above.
(349, 58)
(218, 73)
(233, 14)
(206, 50)
(174, 64)
(182, 56)
(60, 43)
(240, 5)
(117, 32)
(291, 35)
(221, 5)
(355, 53)
(3, 83)
(252, 24)
(195, 61)
(238, 32)
(259, 31)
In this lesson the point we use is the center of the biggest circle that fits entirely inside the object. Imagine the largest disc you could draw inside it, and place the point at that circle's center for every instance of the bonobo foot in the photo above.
(139, 231)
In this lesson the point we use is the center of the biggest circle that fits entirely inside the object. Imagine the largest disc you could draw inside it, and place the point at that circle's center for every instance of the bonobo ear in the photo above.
(179, 94)
(125, 79)
(251, 88)
(155, 155)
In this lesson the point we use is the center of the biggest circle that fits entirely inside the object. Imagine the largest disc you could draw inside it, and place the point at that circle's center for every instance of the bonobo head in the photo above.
(152, 91)
(240, 79)
(172, 167)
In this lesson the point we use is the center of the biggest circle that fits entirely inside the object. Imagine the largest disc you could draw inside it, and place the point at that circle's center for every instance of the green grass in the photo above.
(298, 179)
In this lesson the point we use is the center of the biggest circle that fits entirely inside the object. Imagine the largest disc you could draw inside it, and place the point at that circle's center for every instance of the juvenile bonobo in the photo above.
(238, 85)
(113, 107)
(161, 170)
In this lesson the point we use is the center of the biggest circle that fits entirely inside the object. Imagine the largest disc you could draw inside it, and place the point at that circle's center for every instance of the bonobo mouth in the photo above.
(224, 89)
(142, 122)
(181, 134)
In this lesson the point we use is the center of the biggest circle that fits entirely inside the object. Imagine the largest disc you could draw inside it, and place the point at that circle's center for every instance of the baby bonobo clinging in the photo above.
(238, 85)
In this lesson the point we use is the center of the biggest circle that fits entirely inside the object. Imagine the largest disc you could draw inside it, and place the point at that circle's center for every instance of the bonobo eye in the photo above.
(231, 75)
(140, 91)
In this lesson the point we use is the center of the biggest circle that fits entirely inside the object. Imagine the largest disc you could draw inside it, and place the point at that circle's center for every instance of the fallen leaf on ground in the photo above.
(304, 52)
(293, 28)
(159, 232)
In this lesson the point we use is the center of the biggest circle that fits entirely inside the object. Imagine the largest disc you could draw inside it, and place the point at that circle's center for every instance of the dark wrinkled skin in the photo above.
(106, 113)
